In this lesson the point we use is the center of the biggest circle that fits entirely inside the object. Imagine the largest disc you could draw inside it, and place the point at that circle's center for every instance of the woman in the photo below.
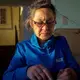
(43, 57)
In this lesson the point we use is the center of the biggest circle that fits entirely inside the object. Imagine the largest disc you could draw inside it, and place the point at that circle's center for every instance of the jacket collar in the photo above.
(34, 42)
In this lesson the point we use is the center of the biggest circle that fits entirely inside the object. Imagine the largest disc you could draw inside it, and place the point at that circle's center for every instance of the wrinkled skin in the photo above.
(38, 72)
(67, 74)
(43, 33)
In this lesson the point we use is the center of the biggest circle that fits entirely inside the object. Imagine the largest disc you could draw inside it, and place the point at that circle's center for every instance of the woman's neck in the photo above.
(41, 41)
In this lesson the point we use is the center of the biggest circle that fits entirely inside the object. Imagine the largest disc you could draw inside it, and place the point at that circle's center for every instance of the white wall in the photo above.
(70, 9)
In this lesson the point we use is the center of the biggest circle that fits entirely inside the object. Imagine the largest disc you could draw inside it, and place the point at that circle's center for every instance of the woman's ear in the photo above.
(31, 23)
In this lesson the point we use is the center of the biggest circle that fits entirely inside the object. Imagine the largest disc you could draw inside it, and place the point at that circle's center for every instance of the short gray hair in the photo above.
(36, 5)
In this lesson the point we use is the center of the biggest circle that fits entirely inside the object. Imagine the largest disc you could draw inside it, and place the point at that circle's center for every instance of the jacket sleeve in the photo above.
(70, 60)
(17, 68)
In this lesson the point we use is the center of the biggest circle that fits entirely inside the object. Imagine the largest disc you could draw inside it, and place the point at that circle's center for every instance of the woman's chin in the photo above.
(45, 37)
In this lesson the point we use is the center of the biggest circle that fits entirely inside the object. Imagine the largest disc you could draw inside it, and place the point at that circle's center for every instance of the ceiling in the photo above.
(15, 2)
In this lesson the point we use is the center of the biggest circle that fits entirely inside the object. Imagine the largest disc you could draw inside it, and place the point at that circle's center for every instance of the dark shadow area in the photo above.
(15, 2)
(6, 53)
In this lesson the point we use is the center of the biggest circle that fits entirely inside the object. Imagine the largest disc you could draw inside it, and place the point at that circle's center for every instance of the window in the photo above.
(2, 16)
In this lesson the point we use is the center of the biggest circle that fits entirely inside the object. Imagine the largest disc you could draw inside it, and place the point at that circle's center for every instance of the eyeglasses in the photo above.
(49, 23)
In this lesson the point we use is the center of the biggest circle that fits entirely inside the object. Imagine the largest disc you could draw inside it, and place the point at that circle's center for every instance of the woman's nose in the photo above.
(45, 27)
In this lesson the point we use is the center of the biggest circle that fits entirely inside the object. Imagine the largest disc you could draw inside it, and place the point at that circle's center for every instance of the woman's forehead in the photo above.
(43, 13)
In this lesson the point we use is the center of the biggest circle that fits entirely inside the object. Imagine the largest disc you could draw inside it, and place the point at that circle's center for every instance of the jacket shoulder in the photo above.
(60, 38)
(23, 42)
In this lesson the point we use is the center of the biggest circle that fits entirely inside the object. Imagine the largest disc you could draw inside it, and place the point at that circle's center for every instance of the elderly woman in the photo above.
(44, 56)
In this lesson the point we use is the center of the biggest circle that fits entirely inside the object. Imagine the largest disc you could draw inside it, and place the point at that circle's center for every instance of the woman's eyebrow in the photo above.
(48, 19)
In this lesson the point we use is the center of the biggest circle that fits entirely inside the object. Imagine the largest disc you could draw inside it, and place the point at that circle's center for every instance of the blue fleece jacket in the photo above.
(54, 54)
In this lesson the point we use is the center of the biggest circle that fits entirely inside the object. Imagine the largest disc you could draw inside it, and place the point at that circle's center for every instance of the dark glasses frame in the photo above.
(40, 24)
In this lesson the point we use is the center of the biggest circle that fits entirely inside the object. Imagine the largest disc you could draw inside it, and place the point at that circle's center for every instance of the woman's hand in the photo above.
(67, 74)
(38, 72)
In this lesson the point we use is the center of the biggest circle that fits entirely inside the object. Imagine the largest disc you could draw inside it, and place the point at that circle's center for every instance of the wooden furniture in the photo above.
(73, 39)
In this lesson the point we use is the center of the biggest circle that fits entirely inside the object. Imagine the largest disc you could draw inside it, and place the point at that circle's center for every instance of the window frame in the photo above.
(8, 24)
(3, 16)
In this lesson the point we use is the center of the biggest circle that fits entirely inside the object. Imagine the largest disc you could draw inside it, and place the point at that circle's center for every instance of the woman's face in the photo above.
(43, 23)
